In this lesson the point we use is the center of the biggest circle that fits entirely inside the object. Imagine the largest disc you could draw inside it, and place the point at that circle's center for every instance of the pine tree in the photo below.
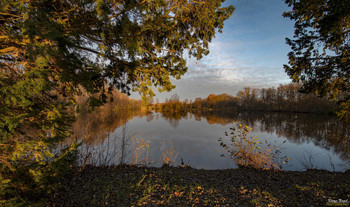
(51, 48)
(320, 57)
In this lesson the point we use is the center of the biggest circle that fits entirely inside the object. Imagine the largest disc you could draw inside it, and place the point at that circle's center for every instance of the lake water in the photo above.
(310, 141)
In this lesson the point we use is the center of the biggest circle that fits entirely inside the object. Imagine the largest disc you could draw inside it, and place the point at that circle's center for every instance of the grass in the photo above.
(170, 186)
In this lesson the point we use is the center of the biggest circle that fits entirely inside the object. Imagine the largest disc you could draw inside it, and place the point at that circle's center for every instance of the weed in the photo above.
(140, 147)
(247, 151)
(169, 153)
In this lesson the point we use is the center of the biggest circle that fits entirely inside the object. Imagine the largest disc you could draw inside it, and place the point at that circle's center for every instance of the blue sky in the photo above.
(250, 52)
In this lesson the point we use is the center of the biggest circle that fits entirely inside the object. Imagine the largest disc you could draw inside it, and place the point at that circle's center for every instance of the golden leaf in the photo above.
(8, 49)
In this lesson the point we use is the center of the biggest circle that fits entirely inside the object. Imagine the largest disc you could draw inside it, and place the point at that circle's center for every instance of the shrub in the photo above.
(248, 151)
(34, 183)
(169, 153)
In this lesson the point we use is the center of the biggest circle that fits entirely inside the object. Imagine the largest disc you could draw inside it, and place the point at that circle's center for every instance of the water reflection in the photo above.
(325, 131)
(304, 132)
(95, 127)
(174, 118)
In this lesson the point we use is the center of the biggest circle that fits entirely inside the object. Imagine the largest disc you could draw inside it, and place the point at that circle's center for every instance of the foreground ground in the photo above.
(136, 186)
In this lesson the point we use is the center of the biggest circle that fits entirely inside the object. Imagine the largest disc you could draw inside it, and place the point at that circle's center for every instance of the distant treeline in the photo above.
(285, 98)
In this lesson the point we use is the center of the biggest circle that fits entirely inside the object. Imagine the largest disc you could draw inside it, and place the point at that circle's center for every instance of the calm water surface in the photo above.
(310, 141)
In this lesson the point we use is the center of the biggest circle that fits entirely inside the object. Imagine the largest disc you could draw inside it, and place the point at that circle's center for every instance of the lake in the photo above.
(310, 141)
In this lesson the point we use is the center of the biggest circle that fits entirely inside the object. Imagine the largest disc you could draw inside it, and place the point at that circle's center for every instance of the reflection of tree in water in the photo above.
(214, 119)
(94, 127)
(174, 117)
(324, 131)
(150, 117)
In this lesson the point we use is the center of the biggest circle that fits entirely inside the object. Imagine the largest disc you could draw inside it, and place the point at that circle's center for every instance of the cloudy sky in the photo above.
(250, 52)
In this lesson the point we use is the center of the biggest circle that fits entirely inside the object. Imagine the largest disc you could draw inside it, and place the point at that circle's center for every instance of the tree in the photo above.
(174, 98)
(211, 100)
(248, 97)
(51, 48)
(320, 57)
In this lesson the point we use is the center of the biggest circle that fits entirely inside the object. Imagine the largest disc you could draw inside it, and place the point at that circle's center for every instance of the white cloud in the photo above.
(250, 52)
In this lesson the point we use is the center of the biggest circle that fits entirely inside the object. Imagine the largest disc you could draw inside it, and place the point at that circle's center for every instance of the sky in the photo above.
(250, 52)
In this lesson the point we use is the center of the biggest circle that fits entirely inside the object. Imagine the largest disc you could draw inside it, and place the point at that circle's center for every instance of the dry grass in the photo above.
(169, 153)
(140, 151)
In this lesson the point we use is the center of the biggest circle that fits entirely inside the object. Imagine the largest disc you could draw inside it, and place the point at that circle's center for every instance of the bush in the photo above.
(247, 151)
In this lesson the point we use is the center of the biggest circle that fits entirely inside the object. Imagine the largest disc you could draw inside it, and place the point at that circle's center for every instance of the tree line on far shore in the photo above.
(284, 98)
